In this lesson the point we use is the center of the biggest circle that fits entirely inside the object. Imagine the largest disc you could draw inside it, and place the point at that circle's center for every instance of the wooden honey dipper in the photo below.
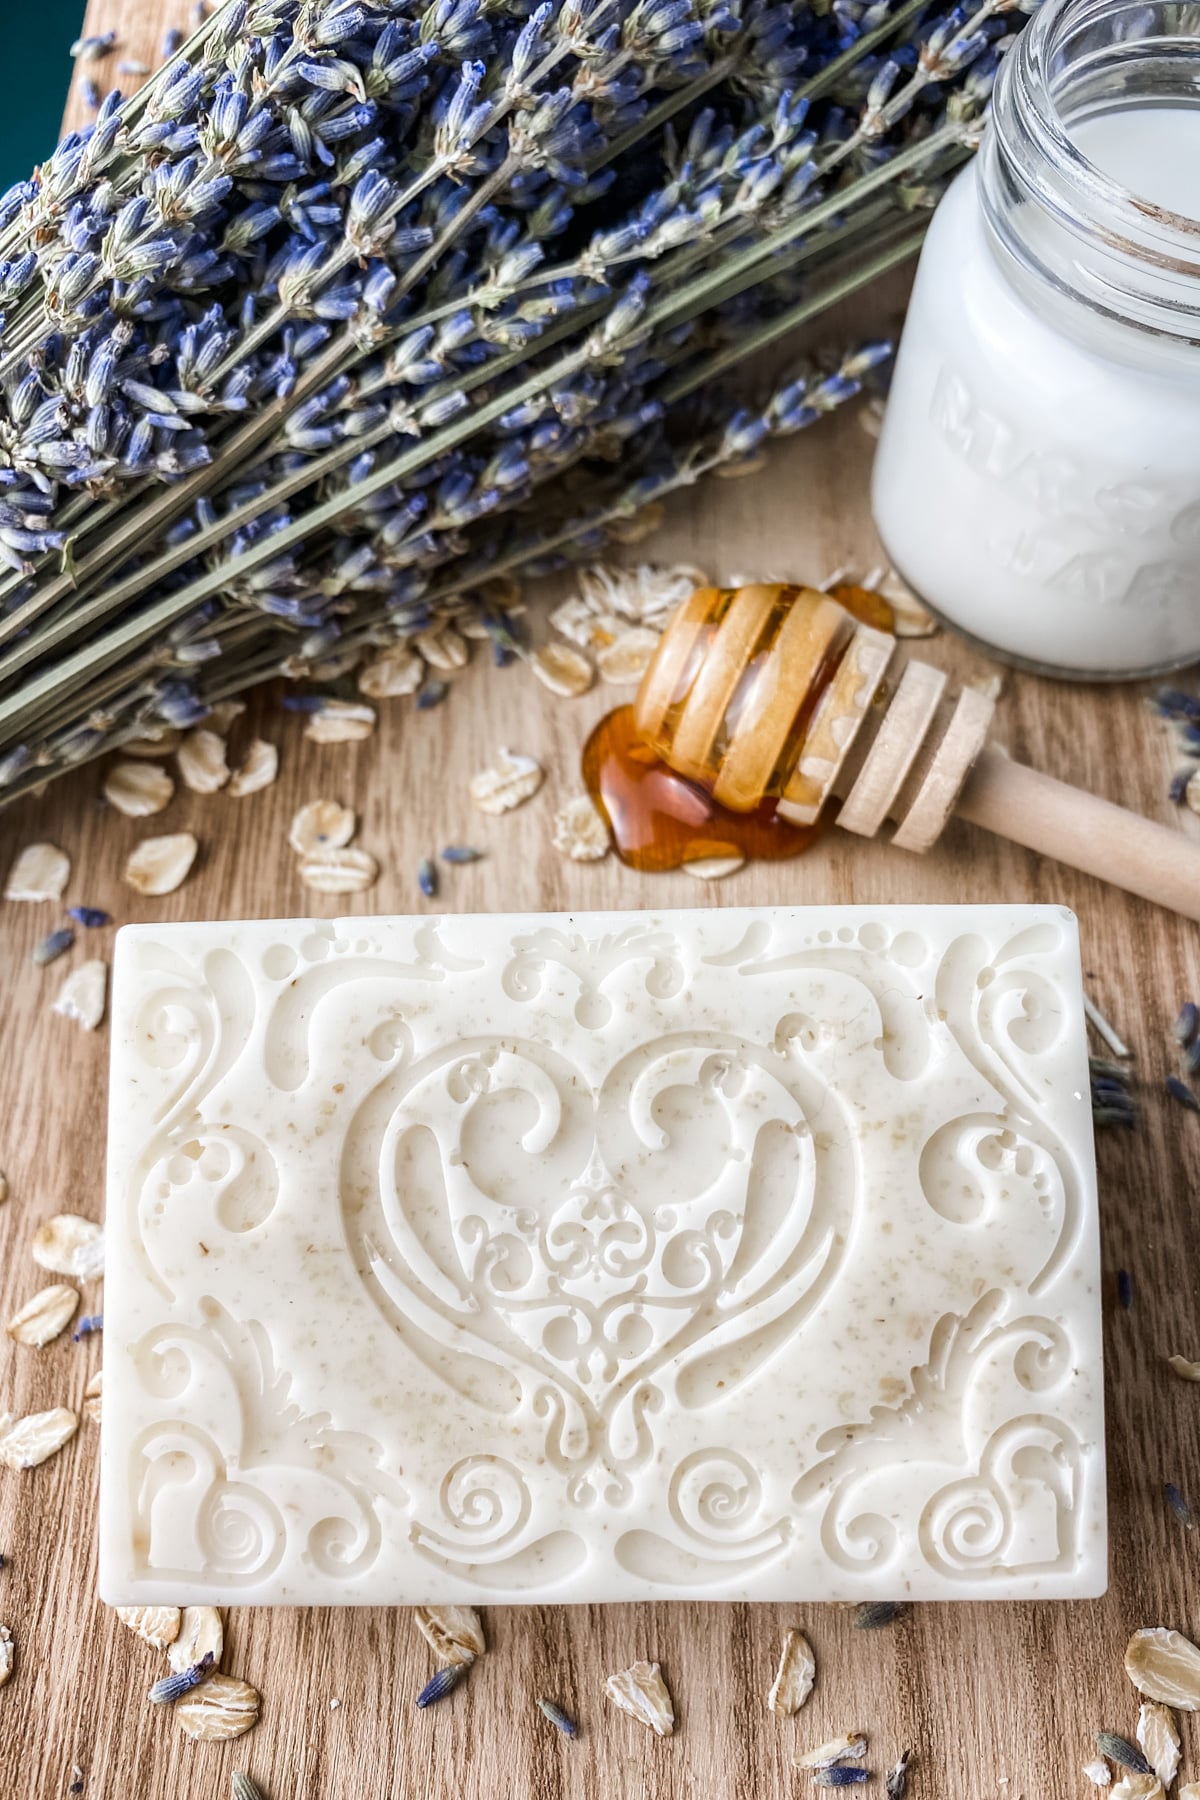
(778, 691)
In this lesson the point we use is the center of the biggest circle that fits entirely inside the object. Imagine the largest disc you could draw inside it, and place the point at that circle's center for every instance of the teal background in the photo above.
(35, 37)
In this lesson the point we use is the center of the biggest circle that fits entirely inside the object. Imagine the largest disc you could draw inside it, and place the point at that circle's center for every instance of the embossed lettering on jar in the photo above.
(1038, 476)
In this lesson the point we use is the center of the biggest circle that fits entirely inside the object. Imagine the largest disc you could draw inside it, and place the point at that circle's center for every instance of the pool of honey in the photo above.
(659, 820)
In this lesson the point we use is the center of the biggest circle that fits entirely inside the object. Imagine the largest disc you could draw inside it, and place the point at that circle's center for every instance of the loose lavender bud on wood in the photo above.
(174, 1687)
(244, 1788)
(1119, 1750)
(88, 1325)
(873, 1614)
(90, 49)
(1181, 1092)
(460, 853)
(54, 946)
(91, 917)
(1187, 1024)
(559, 1718)
(427, 877)
(439, 1685)
(839, 1775)
(897, 1781)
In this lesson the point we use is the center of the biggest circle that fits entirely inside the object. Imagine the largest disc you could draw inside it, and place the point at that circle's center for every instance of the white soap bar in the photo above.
(742, 1254)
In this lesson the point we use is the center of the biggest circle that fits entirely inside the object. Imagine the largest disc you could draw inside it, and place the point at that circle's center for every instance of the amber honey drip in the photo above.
(660, 818)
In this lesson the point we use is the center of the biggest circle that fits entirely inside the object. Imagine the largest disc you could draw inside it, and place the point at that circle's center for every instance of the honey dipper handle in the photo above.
(1085, 832)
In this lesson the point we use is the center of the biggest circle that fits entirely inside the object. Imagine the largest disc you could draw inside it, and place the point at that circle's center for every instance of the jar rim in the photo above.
(1118, 251)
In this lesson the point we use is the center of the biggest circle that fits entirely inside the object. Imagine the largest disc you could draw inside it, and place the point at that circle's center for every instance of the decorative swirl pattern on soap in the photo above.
(585, 1188)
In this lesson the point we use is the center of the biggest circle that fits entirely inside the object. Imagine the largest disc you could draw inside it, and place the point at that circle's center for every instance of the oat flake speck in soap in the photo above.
(1038, 475)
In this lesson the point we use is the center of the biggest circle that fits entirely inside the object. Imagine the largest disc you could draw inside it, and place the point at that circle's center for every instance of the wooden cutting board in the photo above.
(994, 1700)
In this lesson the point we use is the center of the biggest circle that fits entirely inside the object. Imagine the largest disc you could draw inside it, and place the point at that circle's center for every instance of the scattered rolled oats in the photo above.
(257, 770)
(201, 1633)
(41, 1319)
(24, 1443)
(92, 1395)
(202, 761)
(1136, 1787)
(795, 1675)
(223, 714)
(514, 779)
(7, 1654)
(454, 1633)
(580, 831)
(1158, 1736)
(583, 627)
(625, 662)
(155, 1625)
(644, 595)
(714, 868)
(138, 789)
(340, 722)
(70, 1245)
(566, 672)
(82, 995)
(852, 1745)
(395, 671)
(221, 1707)
(339, 871)
(156, 741)
(41, 872)
(1164, 1665)
(1187, 1371)
(444, 649)
(321, 825)
(641, 524)
(1189, 1791)
(1098, 1772)
(161, 864)
(642, 1693)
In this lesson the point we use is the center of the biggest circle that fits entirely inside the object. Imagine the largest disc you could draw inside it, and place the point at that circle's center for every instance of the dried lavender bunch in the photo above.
(287, 337)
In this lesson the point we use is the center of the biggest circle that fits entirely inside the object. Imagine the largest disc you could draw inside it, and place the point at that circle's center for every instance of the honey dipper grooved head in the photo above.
(770, 690)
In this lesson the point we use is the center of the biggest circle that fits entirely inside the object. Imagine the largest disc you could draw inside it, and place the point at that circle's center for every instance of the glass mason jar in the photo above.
(1038, 474)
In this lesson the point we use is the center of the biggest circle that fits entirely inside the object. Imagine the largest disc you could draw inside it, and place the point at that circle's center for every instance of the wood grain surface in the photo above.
(994, 1700)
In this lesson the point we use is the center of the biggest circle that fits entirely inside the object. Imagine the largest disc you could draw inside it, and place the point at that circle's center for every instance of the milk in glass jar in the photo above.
(1038, 475)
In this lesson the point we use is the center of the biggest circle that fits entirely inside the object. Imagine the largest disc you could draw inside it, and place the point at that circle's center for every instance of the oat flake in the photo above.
(642, 596)
(221, 1707)
(339, 871)
(201, 1633)
(1158, 1736)
(321, 825)
(584, 628)
(82, 995)
(161, 864)
(1098, 1772)
(580, 831)
(202, 761)
(1189, 1791)
(514, 779)
(566, 672)
(1136, 1787)
(795, 1675)
(164, 740)
(138, 789)
(394, 672)
(70, 1245)
(223, 714)
(625, 662)
(41, 1319)
(24, 1443)
(40, 872)
(1187, 1371)
(7, 1654)
(444, 649)
(157, 1626)
(1164, 1665)
(340, 722)
(92, 1395)
(714, 868)
(642, 1693)
(851, 1745)
(454, 1633)
(257, 770)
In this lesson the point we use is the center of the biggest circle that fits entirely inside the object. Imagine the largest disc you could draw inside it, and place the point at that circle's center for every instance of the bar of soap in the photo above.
(741, 1254)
